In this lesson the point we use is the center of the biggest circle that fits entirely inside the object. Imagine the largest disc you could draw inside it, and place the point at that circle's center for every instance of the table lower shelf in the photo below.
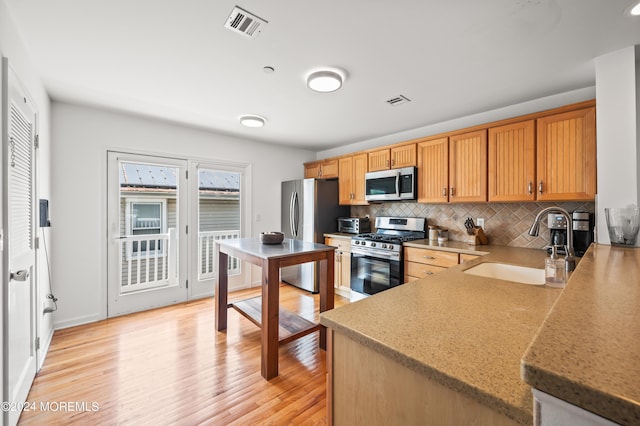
(291, 327)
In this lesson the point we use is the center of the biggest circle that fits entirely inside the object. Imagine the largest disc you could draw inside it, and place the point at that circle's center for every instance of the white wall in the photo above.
(535, 105)
(617, 81)
(12, 47)
(78, 208)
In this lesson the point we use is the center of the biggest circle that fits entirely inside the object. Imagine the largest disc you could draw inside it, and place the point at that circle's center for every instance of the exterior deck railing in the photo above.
(150, 261)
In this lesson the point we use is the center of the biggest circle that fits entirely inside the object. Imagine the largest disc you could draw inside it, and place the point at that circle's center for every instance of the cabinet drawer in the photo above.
(339, 243)
(431, 257)
(421, 270)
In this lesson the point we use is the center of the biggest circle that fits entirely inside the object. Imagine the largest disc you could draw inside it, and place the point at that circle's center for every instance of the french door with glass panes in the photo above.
(217, 214)
(147, 214)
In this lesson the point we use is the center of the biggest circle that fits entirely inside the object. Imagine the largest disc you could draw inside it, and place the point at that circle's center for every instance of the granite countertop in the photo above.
(587, 352)
(580, 344)
(463, 331)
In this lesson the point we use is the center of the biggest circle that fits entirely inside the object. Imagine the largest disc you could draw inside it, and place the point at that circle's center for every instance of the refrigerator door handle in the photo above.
(296, 213)
(291, 219)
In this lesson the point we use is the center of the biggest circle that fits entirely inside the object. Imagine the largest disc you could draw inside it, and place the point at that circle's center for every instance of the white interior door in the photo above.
(218, 213)
(147, 214)
(19, 334)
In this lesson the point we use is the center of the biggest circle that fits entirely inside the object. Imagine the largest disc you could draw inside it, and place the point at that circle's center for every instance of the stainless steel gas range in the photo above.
(376, 258)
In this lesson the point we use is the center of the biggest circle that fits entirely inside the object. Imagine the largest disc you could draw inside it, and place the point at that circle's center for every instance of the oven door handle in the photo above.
(398, 184)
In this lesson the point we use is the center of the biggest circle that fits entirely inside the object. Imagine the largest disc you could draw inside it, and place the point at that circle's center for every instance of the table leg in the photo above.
(326, 292)
(270, 318)
(221, 290)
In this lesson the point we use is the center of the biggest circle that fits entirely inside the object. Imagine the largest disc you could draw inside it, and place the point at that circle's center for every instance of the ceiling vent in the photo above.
(398, 100)
(245, 23)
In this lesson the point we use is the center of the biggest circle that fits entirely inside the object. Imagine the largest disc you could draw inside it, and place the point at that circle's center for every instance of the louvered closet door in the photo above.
(20, 296)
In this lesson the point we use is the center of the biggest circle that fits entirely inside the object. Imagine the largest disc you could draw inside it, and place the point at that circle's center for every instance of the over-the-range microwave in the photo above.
(391, 185)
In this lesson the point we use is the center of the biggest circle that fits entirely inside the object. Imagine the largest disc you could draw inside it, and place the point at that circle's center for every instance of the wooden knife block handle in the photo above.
(478, 237)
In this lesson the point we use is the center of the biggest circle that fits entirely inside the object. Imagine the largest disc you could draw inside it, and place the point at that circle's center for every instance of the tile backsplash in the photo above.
(504, 223)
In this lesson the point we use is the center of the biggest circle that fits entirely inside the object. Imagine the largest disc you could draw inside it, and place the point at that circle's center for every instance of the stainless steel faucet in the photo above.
(535, 227)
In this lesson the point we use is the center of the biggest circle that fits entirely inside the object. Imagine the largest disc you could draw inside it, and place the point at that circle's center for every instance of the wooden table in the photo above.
(266, 313)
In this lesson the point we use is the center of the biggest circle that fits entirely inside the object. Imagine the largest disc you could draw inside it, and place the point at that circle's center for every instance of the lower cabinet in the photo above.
(551, 411)
(342, 264)
(365, 387)
(419, 263)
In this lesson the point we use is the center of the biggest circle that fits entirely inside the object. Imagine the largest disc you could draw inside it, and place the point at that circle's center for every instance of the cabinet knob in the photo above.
(393, 162)
(444, 191)
(451, 192)
(428, 273)
(530, 188)
(428, 257)
(540, 187)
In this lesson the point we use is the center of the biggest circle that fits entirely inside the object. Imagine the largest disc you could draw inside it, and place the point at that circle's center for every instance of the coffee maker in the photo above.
(582, 231)
(583, 223)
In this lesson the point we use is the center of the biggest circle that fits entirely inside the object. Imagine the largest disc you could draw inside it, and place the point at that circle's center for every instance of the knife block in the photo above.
(478, 237)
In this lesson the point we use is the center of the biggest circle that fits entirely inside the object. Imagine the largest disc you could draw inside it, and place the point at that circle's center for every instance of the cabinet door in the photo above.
(379, 160)
(357, 179)
(345, 182)
(468, 167)
(567, 156)
(345, 271)
(403, 156)
(433, 171)
(512, 162)
(312, 170)
(329, 169)
(351, 180)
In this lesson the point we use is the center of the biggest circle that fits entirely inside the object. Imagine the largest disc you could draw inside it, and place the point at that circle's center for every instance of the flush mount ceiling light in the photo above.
(252, 120)
(635, 10)
(325, 80)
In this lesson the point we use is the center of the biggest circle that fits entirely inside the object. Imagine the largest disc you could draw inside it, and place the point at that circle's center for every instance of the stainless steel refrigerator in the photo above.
(309, 210)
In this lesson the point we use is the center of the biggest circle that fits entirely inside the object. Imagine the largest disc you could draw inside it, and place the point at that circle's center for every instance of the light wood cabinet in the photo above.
(325, 169)
(392, 158)
(512, 162)
(351, 180)
(433, 171)
(342, 264)
(566, 150)
(468, 167)
(419, 263)
(358, 375)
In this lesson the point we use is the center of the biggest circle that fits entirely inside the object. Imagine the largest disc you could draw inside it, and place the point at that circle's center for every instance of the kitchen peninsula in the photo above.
(267, 313)
(450, 346)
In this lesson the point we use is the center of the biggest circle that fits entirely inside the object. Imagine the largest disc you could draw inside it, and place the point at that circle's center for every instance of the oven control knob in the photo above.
(356, 242)
(384, 246)
(390, 247)
(373, 244)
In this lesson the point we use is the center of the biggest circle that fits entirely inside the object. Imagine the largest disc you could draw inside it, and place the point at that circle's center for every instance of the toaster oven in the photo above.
(354, 225)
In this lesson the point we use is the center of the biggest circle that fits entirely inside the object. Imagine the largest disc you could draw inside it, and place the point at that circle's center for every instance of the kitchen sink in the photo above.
(504, 271)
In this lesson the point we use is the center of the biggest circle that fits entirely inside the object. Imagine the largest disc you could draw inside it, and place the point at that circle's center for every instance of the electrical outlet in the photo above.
(480, 222)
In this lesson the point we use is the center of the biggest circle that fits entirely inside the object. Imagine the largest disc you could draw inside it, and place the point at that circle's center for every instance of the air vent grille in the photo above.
(245, 23)
(398, 100)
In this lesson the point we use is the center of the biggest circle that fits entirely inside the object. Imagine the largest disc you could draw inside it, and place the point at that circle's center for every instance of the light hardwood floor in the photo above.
(170, 366)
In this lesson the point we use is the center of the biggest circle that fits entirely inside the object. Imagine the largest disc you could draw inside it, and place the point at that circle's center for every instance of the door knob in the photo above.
(20, 275)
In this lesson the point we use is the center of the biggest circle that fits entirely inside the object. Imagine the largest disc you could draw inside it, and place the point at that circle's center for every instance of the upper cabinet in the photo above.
(567, 156)
(512, 162)
(324, 169)
(392, 158)
(453, 169)
(468, 167)
(351, 180)
(433, 171)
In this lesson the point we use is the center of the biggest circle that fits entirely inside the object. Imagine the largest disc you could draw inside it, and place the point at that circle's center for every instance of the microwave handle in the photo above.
(398, 184)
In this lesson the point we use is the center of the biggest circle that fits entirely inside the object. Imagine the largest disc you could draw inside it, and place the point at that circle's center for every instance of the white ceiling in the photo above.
(173, 59)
